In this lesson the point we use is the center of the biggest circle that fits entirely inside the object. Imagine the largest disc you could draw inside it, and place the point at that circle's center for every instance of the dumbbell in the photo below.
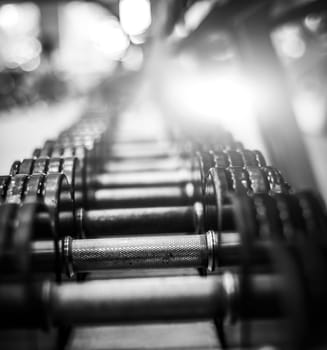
(282, 217)
(153, 299)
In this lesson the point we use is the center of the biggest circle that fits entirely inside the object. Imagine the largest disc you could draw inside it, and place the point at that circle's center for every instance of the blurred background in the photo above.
(257, 68)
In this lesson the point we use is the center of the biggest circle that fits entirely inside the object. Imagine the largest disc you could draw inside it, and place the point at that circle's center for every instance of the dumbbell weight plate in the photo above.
(53, 189)
(239, 179)
(7, 221)
(15, 168)
(258, 180)
(216, 189)
(41, 165)
(276, 181)
(4, 183)
(16, 189)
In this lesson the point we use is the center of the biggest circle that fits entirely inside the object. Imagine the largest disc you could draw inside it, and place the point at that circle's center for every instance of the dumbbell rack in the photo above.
(100, 232)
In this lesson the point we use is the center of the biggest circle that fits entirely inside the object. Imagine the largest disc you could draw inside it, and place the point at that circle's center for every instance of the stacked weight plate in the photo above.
(99, 231)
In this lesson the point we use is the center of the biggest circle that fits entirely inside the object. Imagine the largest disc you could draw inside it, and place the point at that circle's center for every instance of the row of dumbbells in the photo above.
(228, 211)
(185, 207)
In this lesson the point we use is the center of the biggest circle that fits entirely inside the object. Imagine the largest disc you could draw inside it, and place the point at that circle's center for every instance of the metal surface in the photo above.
(142, 178)
(138, 197)
(172, 163)
(285, 144)
(138, 300)
(136, 252)
(137, 220)
(155, 220)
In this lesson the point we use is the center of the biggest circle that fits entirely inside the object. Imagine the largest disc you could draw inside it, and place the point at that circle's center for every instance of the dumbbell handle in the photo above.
(144, 152)
(143, 178)
(167, 251)
(95, 223)
(139, 197)
(139, 165)
(137, 300)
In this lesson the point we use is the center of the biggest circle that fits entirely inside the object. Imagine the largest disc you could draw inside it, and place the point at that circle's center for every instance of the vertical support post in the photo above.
(49, 23)
(275, 116)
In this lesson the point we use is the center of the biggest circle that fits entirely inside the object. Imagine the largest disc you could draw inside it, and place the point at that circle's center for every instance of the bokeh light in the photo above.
(135, 16)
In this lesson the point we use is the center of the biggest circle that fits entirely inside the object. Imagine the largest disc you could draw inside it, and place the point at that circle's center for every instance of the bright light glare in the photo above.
(109, 38)
(289, 42)
(9, 16)
(135, 16)
(310, 111)
(19, 27)
(206, 97)
(92, 41)
(19, 19)
(222, 97)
